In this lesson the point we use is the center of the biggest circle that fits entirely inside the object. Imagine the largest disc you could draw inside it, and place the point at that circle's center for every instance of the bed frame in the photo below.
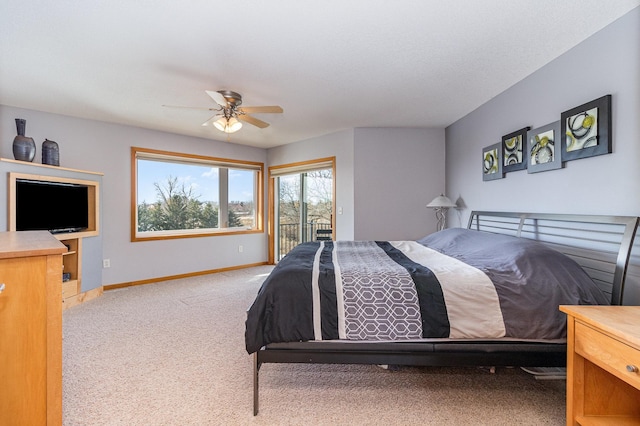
(600, 244)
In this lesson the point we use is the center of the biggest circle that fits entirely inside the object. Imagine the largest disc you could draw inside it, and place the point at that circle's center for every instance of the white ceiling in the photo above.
(330, 64)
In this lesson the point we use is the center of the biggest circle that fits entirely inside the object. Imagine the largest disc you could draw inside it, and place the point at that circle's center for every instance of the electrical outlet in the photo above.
(240, 249)
(106, 263)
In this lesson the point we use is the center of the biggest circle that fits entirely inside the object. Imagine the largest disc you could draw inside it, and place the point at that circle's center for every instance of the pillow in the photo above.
(510, 259)
(531, 279)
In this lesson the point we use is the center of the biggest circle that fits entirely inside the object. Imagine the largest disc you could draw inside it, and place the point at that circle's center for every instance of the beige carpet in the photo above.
(172, 353)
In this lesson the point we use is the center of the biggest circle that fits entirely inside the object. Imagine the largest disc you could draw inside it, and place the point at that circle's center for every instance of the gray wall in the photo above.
(398, 171)
(606, 63)
(340, 145)
(103, 147)
(385, 177)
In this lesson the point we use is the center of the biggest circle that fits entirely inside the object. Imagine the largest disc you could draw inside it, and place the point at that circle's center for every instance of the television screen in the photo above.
(51, 206)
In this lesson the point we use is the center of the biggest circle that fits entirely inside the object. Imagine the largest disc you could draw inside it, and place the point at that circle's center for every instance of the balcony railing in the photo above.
(292, 234)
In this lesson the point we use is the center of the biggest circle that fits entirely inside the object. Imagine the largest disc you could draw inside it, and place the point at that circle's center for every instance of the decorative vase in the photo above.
(50, 153)
(24, 148)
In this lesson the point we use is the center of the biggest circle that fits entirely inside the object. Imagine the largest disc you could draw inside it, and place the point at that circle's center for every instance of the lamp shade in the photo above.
(441, 201)
(228, 126)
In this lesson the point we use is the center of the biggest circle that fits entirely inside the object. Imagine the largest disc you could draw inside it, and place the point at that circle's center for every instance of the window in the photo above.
(180, 195)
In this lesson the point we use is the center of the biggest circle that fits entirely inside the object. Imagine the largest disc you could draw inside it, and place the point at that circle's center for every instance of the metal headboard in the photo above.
(601, 245)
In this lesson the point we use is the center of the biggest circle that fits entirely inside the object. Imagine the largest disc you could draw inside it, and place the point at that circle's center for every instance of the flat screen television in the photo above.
(56, 207)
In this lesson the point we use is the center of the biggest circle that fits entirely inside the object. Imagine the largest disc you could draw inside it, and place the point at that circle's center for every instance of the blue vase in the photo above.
(24, 148)
(50, 153)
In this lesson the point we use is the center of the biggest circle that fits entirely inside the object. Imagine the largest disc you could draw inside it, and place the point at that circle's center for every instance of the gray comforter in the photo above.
(455, 283)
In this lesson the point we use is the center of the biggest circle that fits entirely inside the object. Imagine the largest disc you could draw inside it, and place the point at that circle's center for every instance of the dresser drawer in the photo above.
(608, 353)
(69, 288)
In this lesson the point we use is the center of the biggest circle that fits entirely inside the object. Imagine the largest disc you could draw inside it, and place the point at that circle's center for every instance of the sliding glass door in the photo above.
(303, 206)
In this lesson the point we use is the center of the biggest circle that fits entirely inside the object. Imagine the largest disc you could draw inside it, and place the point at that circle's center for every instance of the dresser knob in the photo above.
(632, 368)
(2, 287)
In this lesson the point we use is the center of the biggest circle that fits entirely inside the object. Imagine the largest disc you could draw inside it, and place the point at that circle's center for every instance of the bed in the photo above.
(487, 295)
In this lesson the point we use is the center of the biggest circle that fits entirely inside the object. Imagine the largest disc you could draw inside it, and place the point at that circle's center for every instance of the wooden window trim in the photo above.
(258, 167)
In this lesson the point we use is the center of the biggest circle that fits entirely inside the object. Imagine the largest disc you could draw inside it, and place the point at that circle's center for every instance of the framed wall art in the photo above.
(586, 130)
(492, 162)
(513, 151)
(543, 148)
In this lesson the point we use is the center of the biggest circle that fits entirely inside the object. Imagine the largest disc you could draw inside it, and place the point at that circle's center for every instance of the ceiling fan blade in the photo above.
(252, 120)
(210, 121)
(218, 98)
(188, 107)
(261, 109)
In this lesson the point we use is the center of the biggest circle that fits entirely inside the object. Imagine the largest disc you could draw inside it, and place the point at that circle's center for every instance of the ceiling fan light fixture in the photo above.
(231, 125)
(229, 110)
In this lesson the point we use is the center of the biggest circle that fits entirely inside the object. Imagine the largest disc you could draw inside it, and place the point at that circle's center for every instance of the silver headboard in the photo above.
(600, 244)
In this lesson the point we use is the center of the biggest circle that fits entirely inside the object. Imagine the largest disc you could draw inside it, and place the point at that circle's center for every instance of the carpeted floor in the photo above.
(172, 353)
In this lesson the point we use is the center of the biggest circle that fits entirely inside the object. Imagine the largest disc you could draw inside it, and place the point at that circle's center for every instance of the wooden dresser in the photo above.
(603, 365)
(30, 328)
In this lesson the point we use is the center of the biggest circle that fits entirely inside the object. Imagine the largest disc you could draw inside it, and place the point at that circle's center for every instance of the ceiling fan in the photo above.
(230, 114)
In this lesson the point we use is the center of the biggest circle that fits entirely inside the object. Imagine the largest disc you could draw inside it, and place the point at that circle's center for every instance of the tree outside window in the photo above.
(179, 195)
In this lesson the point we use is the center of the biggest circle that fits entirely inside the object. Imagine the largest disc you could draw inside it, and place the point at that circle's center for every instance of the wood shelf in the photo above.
(47, 166)
(72, 264)
(93, 207)
(71, 291)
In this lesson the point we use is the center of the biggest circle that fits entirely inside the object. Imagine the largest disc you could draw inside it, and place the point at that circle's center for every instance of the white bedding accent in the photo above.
(473, 307)
(315, 291)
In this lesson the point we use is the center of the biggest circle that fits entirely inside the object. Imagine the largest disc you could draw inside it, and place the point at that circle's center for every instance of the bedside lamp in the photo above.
(441, 204)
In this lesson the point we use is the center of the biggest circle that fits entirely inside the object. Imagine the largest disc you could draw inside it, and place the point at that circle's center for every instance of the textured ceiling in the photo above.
(330, 64)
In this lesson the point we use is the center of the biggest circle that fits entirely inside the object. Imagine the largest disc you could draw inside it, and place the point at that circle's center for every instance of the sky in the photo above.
(203, 180)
